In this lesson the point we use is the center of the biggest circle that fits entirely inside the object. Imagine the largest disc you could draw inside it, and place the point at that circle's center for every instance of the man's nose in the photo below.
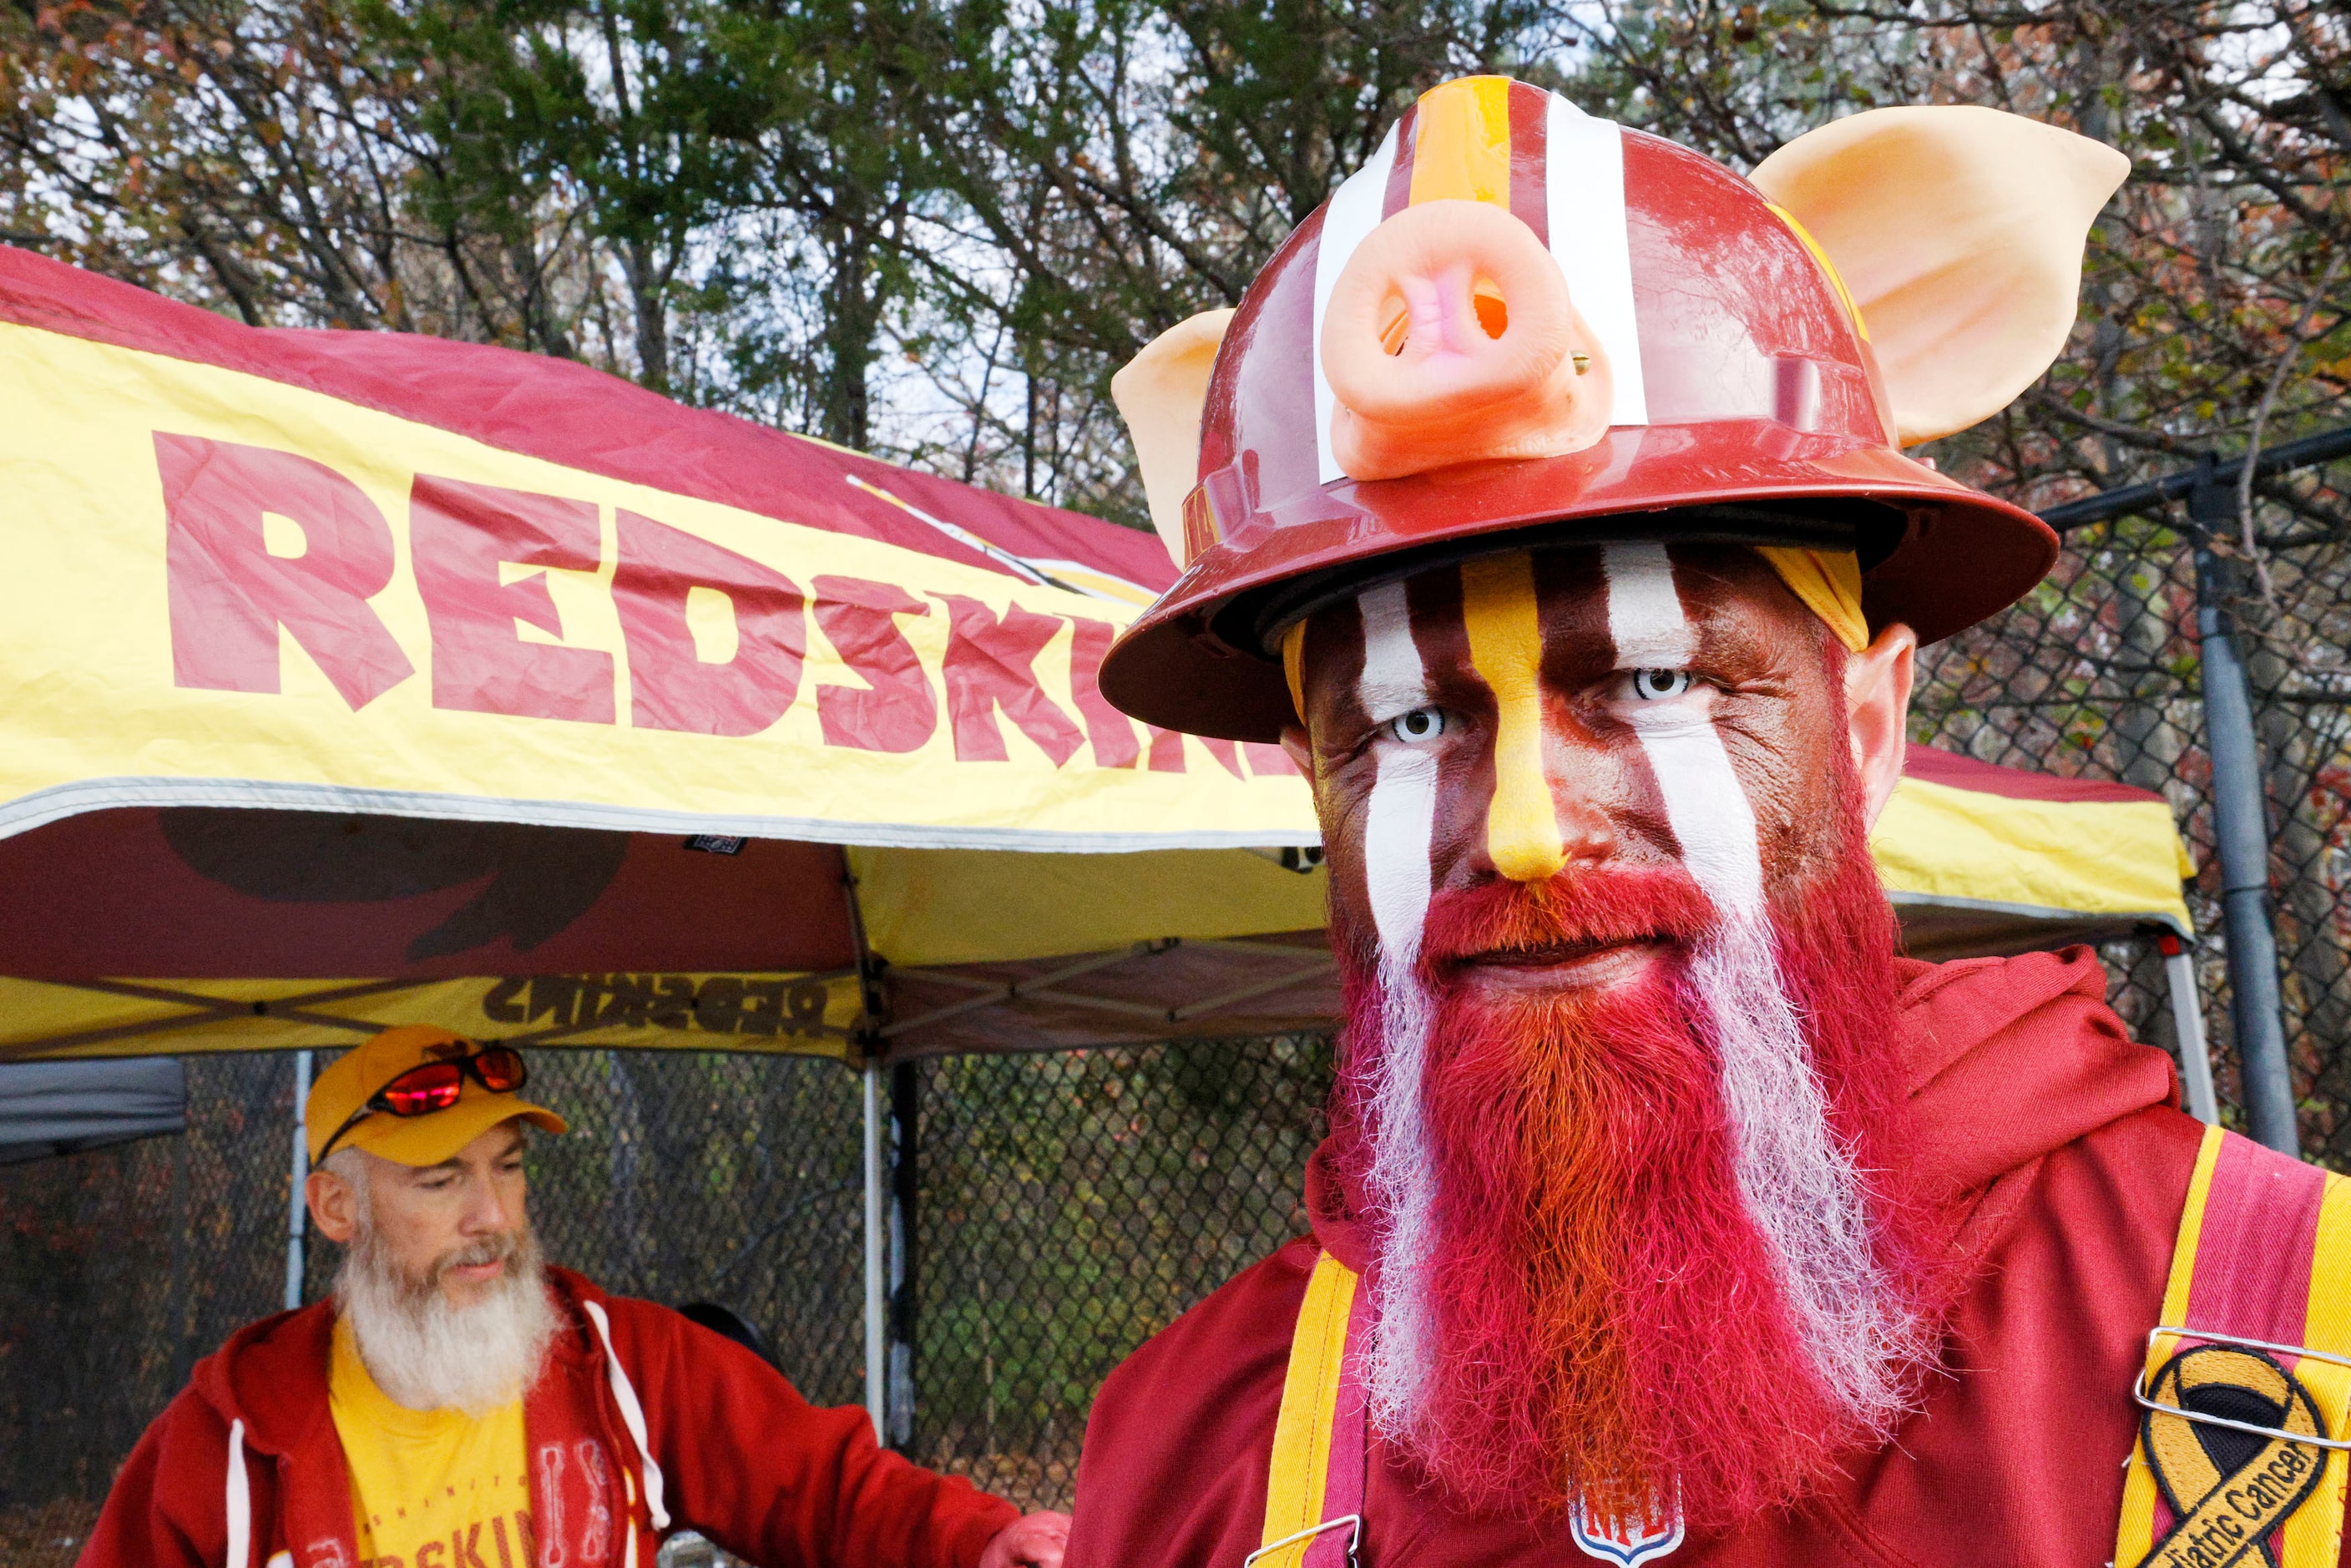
(1529, 837)
(486, 1210)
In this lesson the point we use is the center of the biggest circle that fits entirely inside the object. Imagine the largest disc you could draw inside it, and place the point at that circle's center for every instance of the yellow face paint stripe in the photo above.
(1497, 610)
(1835, 279)
(1461, 143)
(1294, 1482)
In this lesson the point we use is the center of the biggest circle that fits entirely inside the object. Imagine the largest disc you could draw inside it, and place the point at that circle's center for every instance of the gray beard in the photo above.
(426, 1354)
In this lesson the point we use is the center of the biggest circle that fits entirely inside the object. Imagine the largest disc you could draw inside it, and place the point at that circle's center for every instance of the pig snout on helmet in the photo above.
(1449, 338)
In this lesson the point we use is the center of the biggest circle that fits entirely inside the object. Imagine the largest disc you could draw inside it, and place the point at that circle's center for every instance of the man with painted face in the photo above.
(1544, 498)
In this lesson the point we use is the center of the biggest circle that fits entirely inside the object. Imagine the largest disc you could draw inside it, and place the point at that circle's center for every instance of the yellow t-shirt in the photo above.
(432, 1489)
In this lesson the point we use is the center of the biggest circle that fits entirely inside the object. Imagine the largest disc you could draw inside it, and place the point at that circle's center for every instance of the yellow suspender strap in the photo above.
(1300, 1472)
(2259, 1303)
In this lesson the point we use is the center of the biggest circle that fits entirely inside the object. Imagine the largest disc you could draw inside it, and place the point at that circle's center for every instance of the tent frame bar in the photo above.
(997, 993)
(207, 1010)
(2187, 1028)
(291, 1010)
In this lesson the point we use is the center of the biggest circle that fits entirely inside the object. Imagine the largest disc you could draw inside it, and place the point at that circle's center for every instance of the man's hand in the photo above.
(1035, 1540)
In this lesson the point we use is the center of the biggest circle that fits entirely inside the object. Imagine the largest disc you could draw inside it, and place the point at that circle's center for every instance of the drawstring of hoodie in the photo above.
(239, 1507)
(240, 1501)
(632, 1416)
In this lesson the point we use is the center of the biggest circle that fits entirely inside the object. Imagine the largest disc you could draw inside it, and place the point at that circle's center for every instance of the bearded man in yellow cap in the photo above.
(458, 1404)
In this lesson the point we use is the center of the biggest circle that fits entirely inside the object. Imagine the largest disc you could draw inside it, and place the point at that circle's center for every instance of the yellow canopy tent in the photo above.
(360, 679)
(1980, 859)
(354, 679)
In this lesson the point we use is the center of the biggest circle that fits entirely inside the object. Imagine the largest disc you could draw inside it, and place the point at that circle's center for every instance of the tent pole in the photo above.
(868, 1043)
(905, 1121)
(298, 1213)
(2188, 1029)
(876, 1341)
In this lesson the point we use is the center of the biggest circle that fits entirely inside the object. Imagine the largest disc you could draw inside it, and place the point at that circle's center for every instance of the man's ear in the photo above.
(1957, 233)
(334, 1206)
(1299, 748)
(1160, 393)
(1877, 712)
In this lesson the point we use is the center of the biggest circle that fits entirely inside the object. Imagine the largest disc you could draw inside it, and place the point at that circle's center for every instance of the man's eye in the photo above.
(1659, 685)
(1418, 728)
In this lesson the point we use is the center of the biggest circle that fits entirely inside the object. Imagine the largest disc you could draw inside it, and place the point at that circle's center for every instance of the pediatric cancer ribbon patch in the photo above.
(2246, 1390)
(2230, 1490)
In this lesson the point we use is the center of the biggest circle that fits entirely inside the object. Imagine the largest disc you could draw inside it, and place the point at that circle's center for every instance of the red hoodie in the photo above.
(2068, 1162)
(642, 1423)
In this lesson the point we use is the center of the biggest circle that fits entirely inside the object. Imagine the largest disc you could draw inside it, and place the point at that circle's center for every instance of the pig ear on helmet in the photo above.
(1958, 232)
(1160, 394)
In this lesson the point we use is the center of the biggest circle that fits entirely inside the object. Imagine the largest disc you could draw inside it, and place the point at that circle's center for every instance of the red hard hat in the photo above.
(1746, 402)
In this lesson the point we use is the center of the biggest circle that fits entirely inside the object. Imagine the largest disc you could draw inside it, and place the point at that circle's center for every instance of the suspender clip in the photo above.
(1354, 1539)
(2304, 1439)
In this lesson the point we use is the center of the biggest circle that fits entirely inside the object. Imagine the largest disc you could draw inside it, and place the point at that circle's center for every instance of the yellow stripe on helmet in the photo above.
(1461, 142)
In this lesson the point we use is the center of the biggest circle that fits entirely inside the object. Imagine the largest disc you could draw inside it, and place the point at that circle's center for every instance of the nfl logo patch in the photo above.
(1628, 1542)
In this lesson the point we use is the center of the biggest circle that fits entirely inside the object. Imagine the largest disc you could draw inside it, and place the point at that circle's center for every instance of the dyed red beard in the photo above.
(1602, 1315)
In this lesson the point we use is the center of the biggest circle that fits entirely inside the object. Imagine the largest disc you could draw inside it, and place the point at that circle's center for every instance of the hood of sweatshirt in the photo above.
(2007, 1060)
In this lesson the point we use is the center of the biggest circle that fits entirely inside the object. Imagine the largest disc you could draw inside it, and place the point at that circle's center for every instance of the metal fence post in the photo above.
(2240, 827)
(298, 1213)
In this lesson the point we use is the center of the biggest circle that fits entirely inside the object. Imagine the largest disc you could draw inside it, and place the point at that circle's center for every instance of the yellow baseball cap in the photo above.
(343, 1090)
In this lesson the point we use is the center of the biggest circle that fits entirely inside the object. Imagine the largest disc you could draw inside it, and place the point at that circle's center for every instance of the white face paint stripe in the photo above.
(1705, 804)
(1645, 608)
(1393, 682)
(1799, 1183)
(1400, 825)
(1583, 195)
(1353, 212)
(1401, 815)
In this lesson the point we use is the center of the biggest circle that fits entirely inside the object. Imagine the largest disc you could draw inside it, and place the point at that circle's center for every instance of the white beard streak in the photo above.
(427, 1355)
(1799, 1183)
(1400, 823)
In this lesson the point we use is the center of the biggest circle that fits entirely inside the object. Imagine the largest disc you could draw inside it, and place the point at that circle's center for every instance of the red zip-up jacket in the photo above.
(642, 1423)
(2067, 1162)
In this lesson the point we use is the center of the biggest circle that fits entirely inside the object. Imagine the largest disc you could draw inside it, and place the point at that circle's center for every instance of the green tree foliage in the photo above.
(925, 227)
(934, 226)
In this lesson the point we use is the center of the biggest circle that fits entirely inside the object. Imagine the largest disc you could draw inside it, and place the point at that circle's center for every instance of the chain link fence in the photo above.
(1067, 1207)
(2096, 674)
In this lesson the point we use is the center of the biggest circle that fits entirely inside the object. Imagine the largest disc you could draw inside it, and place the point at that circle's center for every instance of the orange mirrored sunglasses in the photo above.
(433, 1086)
